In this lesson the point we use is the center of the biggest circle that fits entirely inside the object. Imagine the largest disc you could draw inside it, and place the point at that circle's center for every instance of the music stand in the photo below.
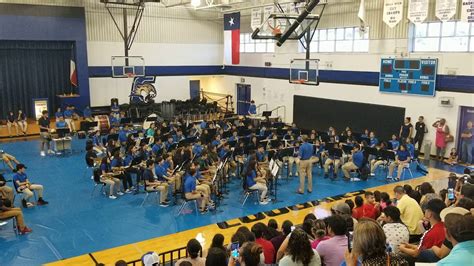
(267, 114)
(125, 121)
(62, 132)
(151, 119)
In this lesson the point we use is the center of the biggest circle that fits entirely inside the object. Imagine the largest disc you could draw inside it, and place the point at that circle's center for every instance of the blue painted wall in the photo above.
(50, 23)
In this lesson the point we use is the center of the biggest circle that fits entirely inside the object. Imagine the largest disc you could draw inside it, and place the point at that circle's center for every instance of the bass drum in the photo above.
(103, 123)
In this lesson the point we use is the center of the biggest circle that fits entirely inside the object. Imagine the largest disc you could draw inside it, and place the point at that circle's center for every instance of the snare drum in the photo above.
(103, 123)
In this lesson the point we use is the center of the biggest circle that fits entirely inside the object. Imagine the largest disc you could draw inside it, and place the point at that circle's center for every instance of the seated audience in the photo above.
(410, 211)
(460, 232)
(193, 249)
(319, 232)
(23, 185)
(299, 251)
(369, 247)
(370, 209)
(272, 229)
(216, 257)
(332, 250)
(249, 255)
(11, 121)
(268, 250)
(396, 232)
(278, 240)
(358, 211)
(435, 236)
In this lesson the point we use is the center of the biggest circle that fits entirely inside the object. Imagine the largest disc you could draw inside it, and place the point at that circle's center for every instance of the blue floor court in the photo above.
(75, 223)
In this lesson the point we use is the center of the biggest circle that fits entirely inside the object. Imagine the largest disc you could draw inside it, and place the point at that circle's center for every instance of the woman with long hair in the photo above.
(253, 182)
(369, 245)
(249, 255)
(299, 251)
(393, 227)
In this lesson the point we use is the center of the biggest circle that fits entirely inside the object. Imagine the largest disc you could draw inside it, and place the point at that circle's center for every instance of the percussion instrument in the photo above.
(103, 123)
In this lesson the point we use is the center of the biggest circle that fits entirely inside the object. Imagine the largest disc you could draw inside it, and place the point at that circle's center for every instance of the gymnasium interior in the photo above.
(195, 132)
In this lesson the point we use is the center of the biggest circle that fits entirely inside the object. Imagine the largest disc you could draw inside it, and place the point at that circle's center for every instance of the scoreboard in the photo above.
(408, 76)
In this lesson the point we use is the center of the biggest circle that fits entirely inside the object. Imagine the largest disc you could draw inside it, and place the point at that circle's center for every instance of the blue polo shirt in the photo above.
(122, 135)
(128, 159)
(115, 163)
(250, 179)
(252, 109)
(203, 125)
(215, 142)
(58, 114)
(197, 149)
(395, 144)
(18, 177)
(260, 156)
(87, 112)
(156, 149)
(68, 113)
(411, 150)
(403, 155)
(168, 144)
(358, 159)
(166, 165)
(222, 153)
(189, 183)
(105, 167)
(96, 140)
(160, 172)
(306, 151)
(199, 176)
(373, 142)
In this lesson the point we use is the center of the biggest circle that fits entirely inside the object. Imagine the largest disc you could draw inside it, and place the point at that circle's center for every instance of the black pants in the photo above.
(126, 180)
(419, 140)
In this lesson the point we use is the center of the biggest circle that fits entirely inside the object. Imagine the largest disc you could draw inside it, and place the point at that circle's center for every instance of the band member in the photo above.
(108, 177)
(165, 174)
(98, 144)
(45, 133)
(356, 162)
(23, 185)
(255, 182)
(191, 192)
(378, 160)
(11, 121)
(60, 123)
(306, 166)
(401, 160)
(68, 114)
(117, 166)
(152, 184)
(22, 122)
(332, 159)
(293, 159)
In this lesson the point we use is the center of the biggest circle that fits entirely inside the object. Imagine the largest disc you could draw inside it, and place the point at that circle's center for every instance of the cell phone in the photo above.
(234, 250)
(450, 193)
(293, 228)
(350, 240)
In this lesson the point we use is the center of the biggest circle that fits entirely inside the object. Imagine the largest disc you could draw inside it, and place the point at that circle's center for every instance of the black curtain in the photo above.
(33, 69)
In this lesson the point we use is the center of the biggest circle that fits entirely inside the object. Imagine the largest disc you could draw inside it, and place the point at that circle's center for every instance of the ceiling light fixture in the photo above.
(195, 3)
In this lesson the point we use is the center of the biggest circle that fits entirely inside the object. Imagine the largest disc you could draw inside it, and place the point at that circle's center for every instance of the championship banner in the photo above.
(418, 10)
(256, 19)
(467, 10)
(267, 11)
(446, 9)
(392, 12)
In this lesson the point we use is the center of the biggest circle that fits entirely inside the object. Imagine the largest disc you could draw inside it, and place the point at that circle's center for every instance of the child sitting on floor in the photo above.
(453, 157)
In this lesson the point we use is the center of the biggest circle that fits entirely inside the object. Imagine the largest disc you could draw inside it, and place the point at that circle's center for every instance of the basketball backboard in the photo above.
(128, 66)
(304, 71)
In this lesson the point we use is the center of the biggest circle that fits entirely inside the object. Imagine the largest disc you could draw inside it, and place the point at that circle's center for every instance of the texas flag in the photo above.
(232, 38)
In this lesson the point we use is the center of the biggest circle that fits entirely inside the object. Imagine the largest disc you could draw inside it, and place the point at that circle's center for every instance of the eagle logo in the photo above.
(143, 90)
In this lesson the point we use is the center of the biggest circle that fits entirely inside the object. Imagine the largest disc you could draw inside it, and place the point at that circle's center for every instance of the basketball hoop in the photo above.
(299, 81)
(130, 75)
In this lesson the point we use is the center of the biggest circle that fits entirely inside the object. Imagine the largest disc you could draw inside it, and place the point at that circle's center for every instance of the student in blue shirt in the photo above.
(157, 148)
(306, 165)
(87, 113)
(373, 140)
(60, 123)
(122, 135)
(252, 108)
(191, 192)
(357, 162)
(169, 143)
(402, 159)
(293, 159)
(22, 184)
(68, 113)
(165, 174)
(203, 183)
(410, 147)
(234, 136)
(152, 184)
(197, 148)
(203, 124)
(255, 182)
(179, 136)
(395, 143)
(108, 177)
(117, 167)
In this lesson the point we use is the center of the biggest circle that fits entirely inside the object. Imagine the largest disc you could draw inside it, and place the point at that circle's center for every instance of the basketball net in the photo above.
(130, 75)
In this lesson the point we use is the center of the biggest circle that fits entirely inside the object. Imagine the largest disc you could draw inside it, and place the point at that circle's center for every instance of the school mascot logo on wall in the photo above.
(143, 90)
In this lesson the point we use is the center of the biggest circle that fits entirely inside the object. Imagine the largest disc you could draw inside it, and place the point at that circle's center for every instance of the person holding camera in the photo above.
(442, 131)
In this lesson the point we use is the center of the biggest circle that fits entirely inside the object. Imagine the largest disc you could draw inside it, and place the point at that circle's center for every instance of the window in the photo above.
(452, 36)
(339, 40)
(248, 45)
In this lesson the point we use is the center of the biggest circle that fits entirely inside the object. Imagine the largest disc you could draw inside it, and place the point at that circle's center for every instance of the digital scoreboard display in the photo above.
(408, 76)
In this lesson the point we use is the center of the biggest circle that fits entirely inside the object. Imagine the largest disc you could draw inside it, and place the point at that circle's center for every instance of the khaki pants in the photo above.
(347, 167)
(7, 158)
(7, 193)
(9, 126)
(392, 166)
(374, 164)
(291, 161)
(28, 193)
(306, 170)
(204, 188)
(262, 188)
(336, 163)
(70, 123)
(114, 184)
(23, 125)
(14, 212)
(203, 201)
(163, 189)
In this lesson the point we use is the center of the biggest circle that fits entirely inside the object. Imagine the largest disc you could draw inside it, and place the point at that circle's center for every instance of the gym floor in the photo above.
(76, 223)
